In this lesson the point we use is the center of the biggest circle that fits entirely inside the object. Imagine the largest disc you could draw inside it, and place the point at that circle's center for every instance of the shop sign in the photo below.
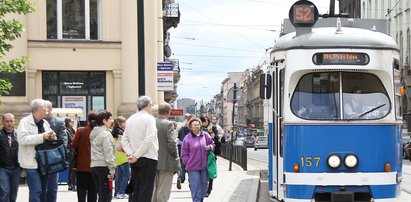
(176, 112)
(73, 85)
(165, 76)
(75, 102)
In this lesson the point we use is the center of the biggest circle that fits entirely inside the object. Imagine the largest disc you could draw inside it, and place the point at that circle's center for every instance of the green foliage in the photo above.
(10, 30)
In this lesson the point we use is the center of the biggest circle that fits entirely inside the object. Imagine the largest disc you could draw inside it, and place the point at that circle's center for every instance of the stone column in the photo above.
(129, 59)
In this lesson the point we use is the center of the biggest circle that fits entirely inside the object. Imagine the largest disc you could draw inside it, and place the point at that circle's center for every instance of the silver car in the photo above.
(261, 142)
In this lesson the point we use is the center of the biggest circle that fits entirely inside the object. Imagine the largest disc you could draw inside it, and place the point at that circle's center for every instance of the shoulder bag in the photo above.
(211, 163)
(51, 157)
(74, 152)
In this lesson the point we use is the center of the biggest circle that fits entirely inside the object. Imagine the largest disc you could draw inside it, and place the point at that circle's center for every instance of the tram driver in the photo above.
(354, 107)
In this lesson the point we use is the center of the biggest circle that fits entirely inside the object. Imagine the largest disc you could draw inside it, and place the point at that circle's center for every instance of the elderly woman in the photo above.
(194, 153)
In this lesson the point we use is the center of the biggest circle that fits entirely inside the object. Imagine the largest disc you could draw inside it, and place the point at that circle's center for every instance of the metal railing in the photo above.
(239, 154)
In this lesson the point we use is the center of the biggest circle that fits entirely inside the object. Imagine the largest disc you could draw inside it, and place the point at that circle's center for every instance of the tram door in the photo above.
(274, 83)
(278, 132)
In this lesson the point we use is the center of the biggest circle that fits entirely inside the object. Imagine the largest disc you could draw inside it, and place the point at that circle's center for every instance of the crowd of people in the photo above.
(140, 154)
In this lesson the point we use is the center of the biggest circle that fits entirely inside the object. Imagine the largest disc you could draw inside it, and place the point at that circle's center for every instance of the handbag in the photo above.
(51, 157)
(211, 166)
(74, 153)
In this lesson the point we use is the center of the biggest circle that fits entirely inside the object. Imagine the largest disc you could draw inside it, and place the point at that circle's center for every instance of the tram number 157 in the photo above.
(310, 161)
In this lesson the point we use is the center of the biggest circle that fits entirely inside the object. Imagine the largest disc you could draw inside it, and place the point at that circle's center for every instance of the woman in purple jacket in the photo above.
(194, 153)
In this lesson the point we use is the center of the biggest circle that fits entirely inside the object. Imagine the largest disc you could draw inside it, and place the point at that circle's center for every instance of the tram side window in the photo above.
(316, 97)
(364, 96)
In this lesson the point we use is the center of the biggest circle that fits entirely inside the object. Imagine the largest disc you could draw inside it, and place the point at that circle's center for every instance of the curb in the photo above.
(254, 189)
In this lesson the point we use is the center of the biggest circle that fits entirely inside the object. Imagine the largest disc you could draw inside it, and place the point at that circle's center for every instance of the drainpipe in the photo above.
(140, 48)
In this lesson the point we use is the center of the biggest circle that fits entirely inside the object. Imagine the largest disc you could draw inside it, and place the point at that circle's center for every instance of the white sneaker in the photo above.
(119, 196)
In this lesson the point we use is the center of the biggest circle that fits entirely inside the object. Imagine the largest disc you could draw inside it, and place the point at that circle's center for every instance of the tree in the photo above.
(10, 30)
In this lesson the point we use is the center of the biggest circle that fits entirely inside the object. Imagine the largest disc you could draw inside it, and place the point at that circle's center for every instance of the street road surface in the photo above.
(258, 160)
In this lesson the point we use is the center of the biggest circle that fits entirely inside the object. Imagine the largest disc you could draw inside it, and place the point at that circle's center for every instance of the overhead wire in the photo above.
(216, 56)
(200, 13)
(219, 47)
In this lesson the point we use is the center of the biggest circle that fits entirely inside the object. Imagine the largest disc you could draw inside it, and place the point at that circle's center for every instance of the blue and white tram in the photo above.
(333, 111)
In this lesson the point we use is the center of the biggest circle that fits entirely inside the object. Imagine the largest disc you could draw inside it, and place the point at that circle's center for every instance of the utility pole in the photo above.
(232, 131)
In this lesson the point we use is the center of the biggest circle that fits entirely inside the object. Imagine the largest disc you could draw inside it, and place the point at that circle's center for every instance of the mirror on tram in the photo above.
(265, 86)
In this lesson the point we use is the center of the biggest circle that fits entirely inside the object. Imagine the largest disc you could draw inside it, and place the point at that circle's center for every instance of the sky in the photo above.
(219, 36)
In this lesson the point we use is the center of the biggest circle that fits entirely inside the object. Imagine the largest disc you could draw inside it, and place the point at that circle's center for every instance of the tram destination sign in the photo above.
(341, 58)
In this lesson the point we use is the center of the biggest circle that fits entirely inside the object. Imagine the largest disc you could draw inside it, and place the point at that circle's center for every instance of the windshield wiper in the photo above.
(371, 110)
(367, 112)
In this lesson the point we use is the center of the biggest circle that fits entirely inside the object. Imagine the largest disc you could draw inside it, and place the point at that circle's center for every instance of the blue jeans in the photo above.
(41, 188)
(52, 186)
(123, 174)
(9, 184)
(198, 180)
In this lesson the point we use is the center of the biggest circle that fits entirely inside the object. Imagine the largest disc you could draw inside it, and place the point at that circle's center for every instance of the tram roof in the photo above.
(328, 37)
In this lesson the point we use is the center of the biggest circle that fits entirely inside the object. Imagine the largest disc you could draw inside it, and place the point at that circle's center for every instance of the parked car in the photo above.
(406, 142)
(249, 141)
(261, 142)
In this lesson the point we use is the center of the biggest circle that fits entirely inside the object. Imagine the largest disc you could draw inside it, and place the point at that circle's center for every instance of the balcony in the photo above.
(171, 15)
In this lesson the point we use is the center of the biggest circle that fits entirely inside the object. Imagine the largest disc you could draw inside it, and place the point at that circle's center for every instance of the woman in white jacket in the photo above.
(102, 156)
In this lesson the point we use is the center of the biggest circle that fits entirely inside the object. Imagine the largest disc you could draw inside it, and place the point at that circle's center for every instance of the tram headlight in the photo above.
(334, 161)
(350, 161)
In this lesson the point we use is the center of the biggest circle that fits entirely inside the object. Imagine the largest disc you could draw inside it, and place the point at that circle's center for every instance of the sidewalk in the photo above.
(230, 186)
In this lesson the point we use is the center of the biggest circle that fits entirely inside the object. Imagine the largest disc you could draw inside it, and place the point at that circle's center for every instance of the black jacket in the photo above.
(8, 157)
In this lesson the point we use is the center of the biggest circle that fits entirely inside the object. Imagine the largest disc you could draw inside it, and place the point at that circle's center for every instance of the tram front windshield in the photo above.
(340, 96)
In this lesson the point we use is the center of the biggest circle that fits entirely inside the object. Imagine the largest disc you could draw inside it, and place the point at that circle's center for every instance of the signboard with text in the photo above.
(177, 112)
(165, 76)
(75, 102)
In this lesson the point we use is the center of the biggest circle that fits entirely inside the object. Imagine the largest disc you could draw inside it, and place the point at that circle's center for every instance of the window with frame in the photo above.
(72, 19)
(18, 81)
(91, 85)
(340, 96)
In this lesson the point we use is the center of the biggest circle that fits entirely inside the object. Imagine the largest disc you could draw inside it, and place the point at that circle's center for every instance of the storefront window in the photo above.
(85, 90)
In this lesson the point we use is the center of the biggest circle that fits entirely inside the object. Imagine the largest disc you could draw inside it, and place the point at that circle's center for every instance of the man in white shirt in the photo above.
(220, 130)
(140, 143)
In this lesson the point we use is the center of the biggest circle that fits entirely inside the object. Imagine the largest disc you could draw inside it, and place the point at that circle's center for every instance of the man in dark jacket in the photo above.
(59, 128)
(9, 166)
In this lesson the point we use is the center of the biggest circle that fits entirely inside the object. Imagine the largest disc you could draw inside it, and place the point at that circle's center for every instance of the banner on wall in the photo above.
(165, 76)
(75, 102)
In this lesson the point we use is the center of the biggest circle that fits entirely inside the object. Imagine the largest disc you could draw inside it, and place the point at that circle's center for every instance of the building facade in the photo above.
(226, 116)
(350, 7)
(398, 13)
(90, 54)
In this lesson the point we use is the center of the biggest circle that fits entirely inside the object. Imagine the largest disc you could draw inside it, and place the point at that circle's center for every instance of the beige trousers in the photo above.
(162, 186)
